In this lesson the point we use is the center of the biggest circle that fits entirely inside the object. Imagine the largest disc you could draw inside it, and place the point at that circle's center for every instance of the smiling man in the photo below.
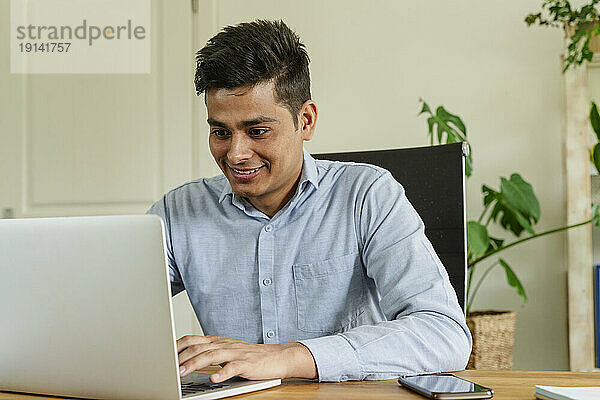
(297, 267)
(255, 142)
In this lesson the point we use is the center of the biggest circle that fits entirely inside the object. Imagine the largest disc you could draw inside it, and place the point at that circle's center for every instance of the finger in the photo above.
(210, 357)
(230, 370)
(195, 349)
(188, 340)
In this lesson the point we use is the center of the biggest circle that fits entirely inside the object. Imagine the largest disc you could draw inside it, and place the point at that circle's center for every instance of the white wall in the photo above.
(371, 61)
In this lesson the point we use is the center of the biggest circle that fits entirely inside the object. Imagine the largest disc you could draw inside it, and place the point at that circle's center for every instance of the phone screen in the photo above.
(442, 384)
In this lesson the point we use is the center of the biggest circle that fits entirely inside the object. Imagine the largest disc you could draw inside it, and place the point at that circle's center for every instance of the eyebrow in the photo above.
(261, 119)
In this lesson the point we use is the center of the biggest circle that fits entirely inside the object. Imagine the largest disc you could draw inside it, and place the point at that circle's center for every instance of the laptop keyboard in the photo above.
(199, 387)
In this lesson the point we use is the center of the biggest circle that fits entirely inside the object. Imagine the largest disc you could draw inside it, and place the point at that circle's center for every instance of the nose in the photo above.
(240, 149)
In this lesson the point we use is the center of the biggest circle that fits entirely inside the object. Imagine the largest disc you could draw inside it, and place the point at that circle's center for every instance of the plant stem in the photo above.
(488, 221)
(470, 279)
(483, 213)
(471, 297)
(471, 270)
(492, 252)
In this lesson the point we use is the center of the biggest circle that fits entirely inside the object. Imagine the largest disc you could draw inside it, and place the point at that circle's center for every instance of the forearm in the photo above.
(299, 360)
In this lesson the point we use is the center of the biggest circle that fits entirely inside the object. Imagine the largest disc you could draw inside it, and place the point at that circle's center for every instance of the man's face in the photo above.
(254, 142)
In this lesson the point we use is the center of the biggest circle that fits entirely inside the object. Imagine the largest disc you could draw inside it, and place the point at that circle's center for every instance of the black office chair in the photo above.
(434, 180)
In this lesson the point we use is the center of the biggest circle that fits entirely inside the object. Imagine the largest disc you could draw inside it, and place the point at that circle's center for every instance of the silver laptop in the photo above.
(85, 311)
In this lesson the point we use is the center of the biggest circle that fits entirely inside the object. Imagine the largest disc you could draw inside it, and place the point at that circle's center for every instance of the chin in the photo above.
(242, 191)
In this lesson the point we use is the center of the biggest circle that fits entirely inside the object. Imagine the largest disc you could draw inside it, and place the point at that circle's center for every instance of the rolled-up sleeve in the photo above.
(425, 331)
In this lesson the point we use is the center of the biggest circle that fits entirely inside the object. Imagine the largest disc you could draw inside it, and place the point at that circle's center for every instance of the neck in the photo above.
(270, 205)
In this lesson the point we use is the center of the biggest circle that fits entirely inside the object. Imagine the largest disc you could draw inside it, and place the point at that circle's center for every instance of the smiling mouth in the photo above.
(245, 174)
(246, 171)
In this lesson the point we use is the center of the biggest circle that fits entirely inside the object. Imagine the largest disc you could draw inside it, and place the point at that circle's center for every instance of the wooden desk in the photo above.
(507, 385)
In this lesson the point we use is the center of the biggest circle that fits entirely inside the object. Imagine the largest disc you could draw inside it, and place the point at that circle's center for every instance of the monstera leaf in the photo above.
(515, 206)
(447, 128)
(519, 194)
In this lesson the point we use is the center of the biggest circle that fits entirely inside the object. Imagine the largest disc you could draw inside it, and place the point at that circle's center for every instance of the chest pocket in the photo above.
(330, 294)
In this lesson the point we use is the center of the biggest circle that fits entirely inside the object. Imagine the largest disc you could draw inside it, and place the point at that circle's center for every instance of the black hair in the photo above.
(254, 52)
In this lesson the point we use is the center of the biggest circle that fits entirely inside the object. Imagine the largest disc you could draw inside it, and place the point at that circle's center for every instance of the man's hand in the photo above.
(248, 360)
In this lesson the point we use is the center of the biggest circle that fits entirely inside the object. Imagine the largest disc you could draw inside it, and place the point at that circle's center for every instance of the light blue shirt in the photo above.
(344, 268)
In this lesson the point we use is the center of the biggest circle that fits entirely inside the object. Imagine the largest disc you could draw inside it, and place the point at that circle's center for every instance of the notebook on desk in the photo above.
(566, 393)
(86, 312)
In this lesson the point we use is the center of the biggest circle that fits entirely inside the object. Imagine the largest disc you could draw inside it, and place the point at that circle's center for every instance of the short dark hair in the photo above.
(254, 52)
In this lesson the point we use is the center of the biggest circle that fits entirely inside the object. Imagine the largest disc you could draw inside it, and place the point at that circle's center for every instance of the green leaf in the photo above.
(468, 165)
(496, 210)
(477, 238)
(447, 128)
(511, 218)
(596, 214)
(441, 128)
(596, 156)
(443, 120)
(425, 107)
(595, 119)
(524, 222)
(430, 123)
(489, 195)
(454, 119)
(519, 194)
(512, 280)
(495, 243)
(531, 18)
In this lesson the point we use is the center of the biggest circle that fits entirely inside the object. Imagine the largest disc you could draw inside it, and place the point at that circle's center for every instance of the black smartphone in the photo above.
(445, 386)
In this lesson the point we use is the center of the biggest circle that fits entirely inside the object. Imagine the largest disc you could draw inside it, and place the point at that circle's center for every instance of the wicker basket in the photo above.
(493, 338)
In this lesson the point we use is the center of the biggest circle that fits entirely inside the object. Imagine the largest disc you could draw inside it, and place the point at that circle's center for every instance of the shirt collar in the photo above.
(309, 170)
(309, 174)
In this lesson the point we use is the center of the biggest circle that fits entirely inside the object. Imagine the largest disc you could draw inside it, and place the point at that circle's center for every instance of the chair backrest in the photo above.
(434, 180)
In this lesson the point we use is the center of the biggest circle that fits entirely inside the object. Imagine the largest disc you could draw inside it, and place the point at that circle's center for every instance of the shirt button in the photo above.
(267, 281)
(268, 228)
(270, 334)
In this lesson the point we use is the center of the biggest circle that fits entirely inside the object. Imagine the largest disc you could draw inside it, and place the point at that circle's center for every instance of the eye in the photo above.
(257, 131)
(220, 133)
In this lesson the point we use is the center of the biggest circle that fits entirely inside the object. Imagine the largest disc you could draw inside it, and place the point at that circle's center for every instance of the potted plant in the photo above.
(513, 209)
(580, 25)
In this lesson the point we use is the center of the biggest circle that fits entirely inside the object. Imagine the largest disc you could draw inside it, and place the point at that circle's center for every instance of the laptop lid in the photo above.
(84, 303)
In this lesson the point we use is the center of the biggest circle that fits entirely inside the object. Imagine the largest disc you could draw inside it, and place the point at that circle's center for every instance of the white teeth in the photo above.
(246, 172)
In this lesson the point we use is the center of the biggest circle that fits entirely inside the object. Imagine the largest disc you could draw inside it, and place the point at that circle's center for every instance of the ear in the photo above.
(307, 119)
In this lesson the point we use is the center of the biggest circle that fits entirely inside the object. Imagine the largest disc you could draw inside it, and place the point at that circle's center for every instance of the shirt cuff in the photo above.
(334, 357)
